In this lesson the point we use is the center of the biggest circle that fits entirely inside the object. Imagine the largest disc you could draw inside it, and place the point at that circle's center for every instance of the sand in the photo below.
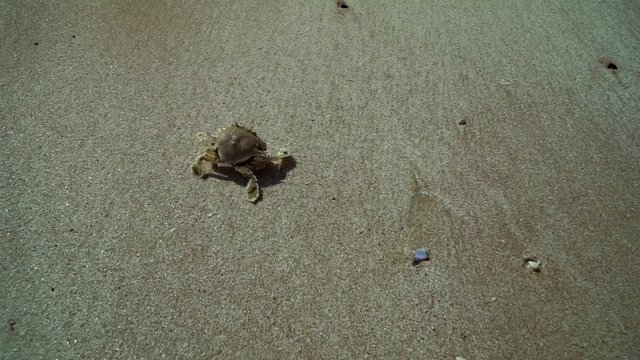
(111, 248)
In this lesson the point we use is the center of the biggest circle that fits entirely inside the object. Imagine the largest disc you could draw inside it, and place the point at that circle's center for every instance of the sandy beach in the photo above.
(487, 132)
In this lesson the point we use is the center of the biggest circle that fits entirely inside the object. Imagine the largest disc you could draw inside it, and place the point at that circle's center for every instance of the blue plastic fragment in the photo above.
(420, 255)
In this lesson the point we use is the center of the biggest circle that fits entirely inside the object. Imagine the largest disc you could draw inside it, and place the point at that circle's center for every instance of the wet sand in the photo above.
(486, 133)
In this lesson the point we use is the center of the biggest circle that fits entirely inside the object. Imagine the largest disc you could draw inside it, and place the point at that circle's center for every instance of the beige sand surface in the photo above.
(112, 249)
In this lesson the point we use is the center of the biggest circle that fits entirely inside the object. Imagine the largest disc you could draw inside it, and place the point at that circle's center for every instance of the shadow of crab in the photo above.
(267, 177)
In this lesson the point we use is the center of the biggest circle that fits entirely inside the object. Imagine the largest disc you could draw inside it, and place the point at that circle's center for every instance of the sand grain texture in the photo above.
(112, 249)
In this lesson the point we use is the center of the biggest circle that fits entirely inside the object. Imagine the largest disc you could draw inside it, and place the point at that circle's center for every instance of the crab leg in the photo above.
(252, 189)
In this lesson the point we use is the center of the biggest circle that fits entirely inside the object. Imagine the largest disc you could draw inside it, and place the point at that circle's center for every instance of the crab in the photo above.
(240, 148)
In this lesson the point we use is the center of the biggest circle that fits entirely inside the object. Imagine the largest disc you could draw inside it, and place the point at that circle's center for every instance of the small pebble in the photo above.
(419, 255)
(533, 265)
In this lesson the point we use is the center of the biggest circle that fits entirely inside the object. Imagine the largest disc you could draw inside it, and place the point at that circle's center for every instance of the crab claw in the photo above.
(204, 163)
(252, 189)
(198, 166)
(280, 155)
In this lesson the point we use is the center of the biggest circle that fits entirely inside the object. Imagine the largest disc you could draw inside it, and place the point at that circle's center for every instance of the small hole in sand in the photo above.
(612, 66)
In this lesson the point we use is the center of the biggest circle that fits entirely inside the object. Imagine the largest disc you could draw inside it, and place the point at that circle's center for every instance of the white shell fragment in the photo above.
(532, 264)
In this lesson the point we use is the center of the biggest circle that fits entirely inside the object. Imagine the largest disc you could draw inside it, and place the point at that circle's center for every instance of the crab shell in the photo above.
(236, 144)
